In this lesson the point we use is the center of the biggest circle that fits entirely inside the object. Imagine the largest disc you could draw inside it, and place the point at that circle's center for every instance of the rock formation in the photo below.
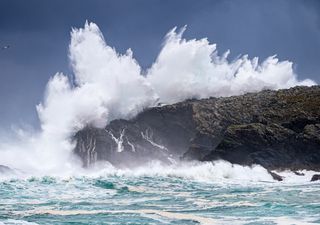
(276, 129)
(315, 177)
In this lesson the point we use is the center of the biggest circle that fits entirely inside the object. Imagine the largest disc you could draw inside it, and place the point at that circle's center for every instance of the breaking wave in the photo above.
(221, 172)
(108, 86)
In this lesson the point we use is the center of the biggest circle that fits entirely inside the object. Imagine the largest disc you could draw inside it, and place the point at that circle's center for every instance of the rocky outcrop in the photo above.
(315, 177)
(270, 145)
(275, 176)
(161, 133)
(276, 129)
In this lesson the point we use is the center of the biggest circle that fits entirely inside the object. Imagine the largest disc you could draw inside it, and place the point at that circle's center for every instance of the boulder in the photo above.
(298, 173)
(275, 176)
(315, 177)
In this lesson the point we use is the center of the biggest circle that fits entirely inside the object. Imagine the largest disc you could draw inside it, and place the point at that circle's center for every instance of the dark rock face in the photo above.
(161, 133)
(275, 176)
(276, 129)
(315, 177)
(298, 173)
(272, 146)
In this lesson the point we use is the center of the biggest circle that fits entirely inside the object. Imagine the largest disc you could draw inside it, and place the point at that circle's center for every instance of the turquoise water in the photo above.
(161, 196)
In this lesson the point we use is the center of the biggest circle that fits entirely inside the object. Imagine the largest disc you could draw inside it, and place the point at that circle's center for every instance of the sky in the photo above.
(38, 32)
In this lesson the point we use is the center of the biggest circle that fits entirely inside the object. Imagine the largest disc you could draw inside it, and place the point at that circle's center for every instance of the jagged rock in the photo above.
(275, 176)
(298, 173)
(276, 129)
(315, 177)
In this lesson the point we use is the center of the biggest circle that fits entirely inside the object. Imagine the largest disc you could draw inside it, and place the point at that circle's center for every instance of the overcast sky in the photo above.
(38, 32)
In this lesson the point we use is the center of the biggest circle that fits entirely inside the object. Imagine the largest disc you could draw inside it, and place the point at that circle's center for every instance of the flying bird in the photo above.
(5, 47)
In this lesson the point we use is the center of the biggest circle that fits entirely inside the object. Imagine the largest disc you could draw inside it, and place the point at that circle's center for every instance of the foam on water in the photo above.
(206, 171)
(17, 222)
(120, 198)
(209, 172)
(171, 215)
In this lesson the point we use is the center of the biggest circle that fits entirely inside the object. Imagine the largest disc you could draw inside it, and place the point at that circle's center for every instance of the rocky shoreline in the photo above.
(276, 129)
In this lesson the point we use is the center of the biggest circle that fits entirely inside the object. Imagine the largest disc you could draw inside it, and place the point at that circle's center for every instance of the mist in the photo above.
(107, 85)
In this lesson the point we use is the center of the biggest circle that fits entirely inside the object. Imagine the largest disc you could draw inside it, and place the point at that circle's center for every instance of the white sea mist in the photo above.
(110, 86)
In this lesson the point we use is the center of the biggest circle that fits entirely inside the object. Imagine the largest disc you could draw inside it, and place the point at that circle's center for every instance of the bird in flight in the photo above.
(5, 47)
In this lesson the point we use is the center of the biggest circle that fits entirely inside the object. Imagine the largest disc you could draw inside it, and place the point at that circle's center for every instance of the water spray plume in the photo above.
(111, 86)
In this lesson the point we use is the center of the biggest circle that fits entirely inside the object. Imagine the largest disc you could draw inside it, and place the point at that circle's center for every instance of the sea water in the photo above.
(202, 193)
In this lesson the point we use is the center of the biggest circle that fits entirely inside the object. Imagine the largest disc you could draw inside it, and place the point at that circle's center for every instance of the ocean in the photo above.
(189, 193)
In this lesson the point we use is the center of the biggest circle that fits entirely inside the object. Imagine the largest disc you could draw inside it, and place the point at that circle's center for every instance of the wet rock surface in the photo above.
(276, 129)
(315, 177)
(276, 176)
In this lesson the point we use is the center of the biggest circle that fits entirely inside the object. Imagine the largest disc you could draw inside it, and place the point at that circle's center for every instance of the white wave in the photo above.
(193, 69)
(170, 215)
(290, 177)
(198, 171)
(283, 220)
(110, 86)
(165, 214)
(16, 222)
(218, 171)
